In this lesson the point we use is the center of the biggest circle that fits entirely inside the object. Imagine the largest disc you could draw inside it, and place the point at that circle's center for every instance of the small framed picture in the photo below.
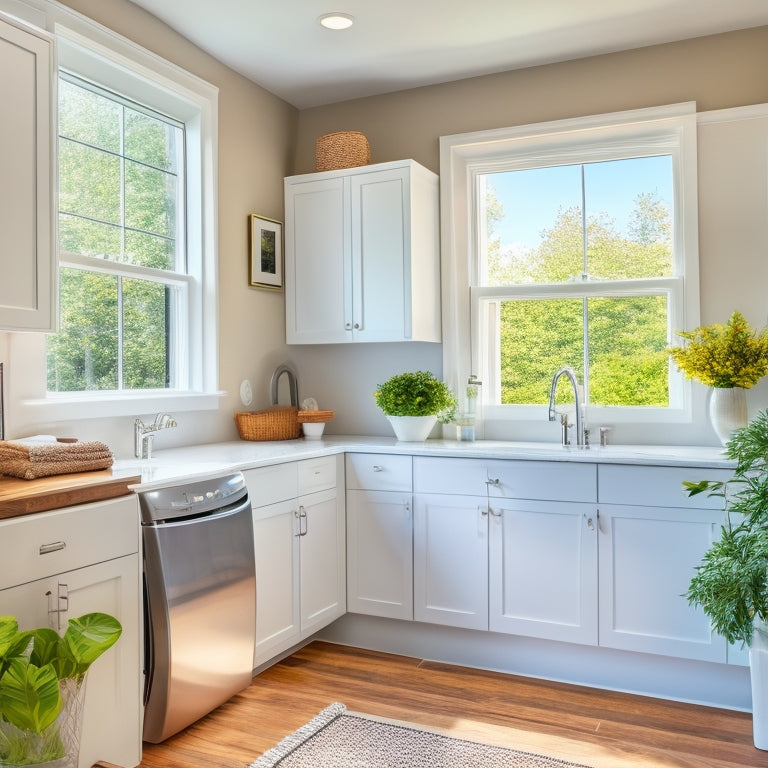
(266, 236)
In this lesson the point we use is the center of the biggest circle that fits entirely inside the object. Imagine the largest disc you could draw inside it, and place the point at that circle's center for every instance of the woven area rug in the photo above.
(340, 739)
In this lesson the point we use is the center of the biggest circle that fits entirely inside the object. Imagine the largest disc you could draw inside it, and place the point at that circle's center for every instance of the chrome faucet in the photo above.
(143, 434)
(581, 432)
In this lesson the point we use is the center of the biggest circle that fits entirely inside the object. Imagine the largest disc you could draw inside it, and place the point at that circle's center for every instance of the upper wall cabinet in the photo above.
(362, 258)
(27, 254)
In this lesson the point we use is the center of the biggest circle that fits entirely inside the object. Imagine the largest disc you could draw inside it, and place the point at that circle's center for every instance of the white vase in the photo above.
(727, 411)
(412, 429)
(758, 666)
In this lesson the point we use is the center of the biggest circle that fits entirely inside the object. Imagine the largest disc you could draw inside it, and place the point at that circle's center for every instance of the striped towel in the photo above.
(29, 460)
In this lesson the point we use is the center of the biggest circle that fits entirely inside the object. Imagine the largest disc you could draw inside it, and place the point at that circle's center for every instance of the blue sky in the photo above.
(532, 198)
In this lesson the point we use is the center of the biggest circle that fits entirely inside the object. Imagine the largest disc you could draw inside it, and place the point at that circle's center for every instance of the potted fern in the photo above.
(731, 583)
(413, 403)
(42, 686)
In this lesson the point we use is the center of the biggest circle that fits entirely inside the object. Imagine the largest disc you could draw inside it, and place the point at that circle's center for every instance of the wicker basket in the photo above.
(314, 417)
(343, 149)
(280, 422)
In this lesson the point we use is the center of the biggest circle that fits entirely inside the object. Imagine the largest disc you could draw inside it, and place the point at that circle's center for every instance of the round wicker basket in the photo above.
(343, 149)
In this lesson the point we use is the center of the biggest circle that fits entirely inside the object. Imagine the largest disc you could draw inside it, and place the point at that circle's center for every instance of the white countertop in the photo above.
(200, 462)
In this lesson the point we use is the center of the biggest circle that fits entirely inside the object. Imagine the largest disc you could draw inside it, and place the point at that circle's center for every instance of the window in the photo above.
(137, 235)
(580, 248)
(123, 278)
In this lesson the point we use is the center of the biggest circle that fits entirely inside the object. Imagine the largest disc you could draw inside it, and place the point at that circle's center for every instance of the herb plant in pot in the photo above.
(731, 583)
(42, 687)
(413, 403)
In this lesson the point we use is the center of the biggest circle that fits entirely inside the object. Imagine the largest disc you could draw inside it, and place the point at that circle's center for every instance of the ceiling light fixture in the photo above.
(336, 20)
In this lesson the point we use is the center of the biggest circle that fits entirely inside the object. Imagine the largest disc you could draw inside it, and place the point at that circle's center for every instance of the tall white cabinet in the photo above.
(362, 255)
(27, 253)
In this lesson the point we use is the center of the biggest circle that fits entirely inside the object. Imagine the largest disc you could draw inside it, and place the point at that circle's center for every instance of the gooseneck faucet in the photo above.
(570, 374)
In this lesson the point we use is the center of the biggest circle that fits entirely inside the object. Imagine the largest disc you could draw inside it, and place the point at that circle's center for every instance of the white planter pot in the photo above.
(412, 429)
(727, 411)
(758, 665)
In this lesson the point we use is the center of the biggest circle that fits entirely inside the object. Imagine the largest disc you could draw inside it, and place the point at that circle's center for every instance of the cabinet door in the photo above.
(323, 561)
(113, 699)
(450, 560)
(318, 270)
(646, 561)
(276, 549)
(543, 570)
(380, 554)
(381, 255)
(27, 257)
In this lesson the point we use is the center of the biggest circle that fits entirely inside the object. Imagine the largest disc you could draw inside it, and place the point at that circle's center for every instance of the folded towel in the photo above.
(29, 460)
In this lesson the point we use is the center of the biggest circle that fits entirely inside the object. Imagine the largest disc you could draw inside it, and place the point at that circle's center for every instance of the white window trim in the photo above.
(84, 47)
(464, 156)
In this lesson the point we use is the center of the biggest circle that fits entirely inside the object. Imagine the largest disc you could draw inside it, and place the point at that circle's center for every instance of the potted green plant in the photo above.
(42, 677)
(730, 359)
(731, 583)
(413, 403)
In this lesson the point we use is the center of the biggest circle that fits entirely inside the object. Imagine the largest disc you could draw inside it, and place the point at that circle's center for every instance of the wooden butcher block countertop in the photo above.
(25, 497)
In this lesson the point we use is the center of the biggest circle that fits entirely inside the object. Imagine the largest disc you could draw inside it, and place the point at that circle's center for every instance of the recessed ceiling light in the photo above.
(336, 20)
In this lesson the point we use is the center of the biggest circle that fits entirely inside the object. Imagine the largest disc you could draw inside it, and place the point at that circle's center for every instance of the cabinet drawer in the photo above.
(512, 479)
(268, 485)
(317, 474)
(379, 472)
(37, 546)
(657, 486)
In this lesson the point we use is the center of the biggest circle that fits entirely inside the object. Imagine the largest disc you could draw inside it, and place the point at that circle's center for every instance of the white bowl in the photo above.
(313, 430)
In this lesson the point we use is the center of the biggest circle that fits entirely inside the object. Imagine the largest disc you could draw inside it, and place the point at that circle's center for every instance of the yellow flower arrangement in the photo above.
(730, 355)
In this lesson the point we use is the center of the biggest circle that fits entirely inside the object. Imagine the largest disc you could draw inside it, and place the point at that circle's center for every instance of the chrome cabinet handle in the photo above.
(590, 522)
(500, 513)
(377, 468)
(494, 481)
(54, 546)
(303, 516)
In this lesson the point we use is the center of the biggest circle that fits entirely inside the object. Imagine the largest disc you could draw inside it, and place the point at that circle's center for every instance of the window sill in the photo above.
(93, 405)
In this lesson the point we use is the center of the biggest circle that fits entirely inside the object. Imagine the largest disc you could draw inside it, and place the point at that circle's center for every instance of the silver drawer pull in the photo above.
(52, 547)
(377, 468)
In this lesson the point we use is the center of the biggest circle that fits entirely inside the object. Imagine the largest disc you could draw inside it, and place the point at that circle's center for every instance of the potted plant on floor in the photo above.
(42, 686)
(413, 403)
(731, 583)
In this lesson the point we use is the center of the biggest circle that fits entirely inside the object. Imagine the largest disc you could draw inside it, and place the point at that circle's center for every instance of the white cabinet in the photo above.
(85, 559)
(27, 253)
(379, 536)
(298, 525)
(652, 536)
(524, 535)
(543, 569)
(450, 555)
(362, 255)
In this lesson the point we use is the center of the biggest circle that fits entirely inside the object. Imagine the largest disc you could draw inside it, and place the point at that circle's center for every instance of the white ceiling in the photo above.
(397, 44)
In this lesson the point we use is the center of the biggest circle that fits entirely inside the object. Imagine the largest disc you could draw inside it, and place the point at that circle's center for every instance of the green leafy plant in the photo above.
(416, 394)
(731, 583)
(730, 355)
(35, 666)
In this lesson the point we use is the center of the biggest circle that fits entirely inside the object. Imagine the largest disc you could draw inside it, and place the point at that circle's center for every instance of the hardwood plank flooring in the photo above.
(582, 725)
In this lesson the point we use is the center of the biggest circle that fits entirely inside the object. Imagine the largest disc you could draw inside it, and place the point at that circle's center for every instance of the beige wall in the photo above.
(721, 71)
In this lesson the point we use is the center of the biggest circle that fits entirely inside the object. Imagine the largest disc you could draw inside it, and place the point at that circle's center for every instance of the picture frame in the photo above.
(266, 249)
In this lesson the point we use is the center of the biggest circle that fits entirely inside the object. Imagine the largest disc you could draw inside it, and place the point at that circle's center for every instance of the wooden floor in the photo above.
(581, 725)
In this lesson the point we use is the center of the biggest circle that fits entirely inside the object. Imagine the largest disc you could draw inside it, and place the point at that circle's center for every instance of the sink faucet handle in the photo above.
(604, 435)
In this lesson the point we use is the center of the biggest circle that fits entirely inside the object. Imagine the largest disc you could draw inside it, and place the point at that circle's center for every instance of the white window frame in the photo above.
(464, 157)
(99, 55)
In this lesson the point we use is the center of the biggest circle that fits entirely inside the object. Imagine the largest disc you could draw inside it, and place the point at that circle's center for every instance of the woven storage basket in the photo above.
(314, 417)
(280, 422)
(343, 149)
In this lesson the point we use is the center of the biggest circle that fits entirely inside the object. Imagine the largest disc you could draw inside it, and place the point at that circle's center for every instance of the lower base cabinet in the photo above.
(450, 560)
(76, 537)
(543, 570)
(299, 547)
